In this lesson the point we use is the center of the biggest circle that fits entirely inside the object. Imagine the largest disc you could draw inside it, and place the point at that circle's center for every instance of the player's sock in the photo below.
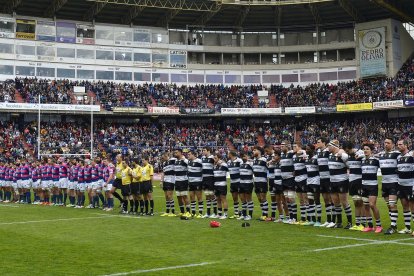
(65, 197)
(151, 206)
(28, 197)
(141, 205)
(338, 214)
(172, 206)
(215, 206)
(220, 212)
(102, 198)
(407, 219)
(274, 208)
(200, 207)
(250, 206)
(236, 208)
(265, 211)
(208, 204)
(302, 212)
(348, 213)
(394, 218)
(318, 212)
(370, 223)
(378, 223)
(193, 207)
(295, 211)
(146, 206)
(244, 208)
(225, 211)
(167, 206)
(329, 210)
(181, 209)
(132, 205)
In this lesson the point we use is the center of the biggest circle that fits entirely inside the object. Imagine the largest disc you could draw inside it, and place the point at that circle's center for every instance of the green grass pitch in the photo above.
(45, 240)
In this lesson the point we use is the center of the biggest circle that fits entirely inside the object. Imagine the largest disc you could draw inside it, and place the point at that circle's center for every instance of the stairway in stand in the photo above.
(272, 101)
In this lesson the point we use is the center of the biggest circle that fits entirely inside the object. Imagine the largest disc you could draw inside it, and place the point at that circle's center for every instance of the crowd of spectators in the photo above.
(7, 93)
(152, 138)
(50, 91)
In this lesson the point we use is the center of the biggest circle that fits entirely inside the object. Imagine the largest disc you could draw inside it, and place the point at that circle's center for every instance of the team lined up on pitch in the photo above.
(326, 170)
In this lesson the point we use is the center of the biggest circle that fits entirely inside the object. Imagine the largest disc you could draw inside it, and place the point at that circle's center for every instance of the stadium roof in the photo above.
(249, 15)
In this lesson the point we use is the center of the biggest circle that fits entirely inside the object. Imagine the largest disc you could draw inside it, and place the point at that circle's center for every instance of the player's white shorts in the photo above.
(25, 184)
(108, 187)
(18, 184)
(45, 184)
(2, 183)
(36, 184)
(81, 187)
(14, 184)
(72, 185)
(63, 183)
(6, 183)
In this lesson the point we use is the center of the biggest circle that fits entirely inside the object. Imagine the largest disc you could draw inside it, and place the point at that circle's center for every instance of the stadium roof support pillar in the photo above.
(315, 14)
(94, 11)
(350, 9)
(11, 5)
(54, 7)
(388, 6)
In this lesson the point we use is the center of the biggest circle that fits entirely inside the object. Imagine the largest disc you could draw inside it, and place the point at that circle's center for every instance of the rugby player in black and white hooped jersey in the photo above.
(339, 183)
(208, 182)
(288, 181)
(246, 187)
(234, 169)
(299, 160)
(220, 185)
(260, 180)
(269, 155)
(388, 166)
(354, 164)
(370, 166)
(181, 182)
(325, 187)
(278, 188)
(405, 171)
(313, 187)
(195, 182)
(168, 180)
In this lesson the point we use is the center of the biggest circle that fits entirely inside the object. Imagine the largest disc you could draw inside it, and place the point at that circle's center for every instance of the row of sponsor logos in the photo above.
(226, 111)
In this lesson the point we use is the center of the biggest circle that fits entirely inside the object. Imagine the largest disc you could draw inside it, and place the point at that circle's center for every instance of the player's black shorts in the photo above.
(135, 188)
(126, 190)
(195, 186)
(301, 186)
(234, 187)
(260, 187)
(340, 187)
(146, 187)
(220, 190)
(314, 189)
(369, 190)
(277, 190)
(208, 183)
(168, 186)
(325, 186)
(117, 183)
(181, 186)
(389, 189)
(405, 192)
(355, 187)
(288, 184)
(245, 188)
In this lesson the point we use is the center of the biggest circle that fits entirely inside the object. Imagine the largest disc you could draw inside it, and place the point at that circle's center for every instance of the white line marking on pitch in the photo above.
(159, 269)
(53, 220)
(371, 242)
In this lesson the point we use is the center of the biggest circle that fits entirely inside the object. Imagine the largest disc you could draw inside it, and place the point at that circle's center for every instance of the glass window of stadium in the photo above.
(125, 76)
(104, 34)
(123, 56)
(104, 75)
(45, 72)
(6, 26)
(66, 73)
(25, 50)
(85, 74)
(25, 71)
(6, 70)
(46, 51)
(139, 76)
(87, 54)
(143, 37)
(160, 77)
(142, 57)
(123, 36)
(6, 48)
(104, 55)
(66, 52)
